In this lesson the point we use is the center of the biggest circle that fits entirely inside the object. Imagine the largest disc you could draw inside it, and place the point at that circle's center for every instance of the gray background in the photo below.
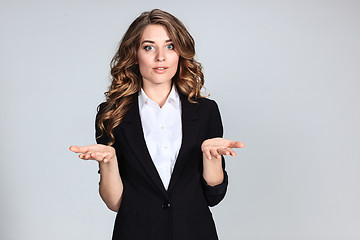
(284, 73)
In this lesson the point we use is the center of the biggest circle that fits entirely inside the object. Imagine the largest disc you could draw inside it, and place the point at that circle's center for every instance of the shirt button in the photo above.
(165, 205)
(162, 127)
(165, 147)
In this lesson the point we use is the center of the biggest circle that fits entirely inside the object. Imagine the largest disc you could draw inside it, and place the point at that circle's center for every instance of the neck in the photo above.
(158, 92)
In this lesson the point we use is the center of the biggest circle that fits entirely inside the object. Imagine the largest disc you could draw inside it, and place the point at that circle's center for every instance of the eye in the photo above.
(170, 46)
(148, 48)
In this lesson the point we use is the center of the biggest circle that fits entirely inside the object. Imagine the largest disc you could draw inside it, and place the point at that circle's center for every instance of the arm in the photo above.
(213, 162)
(215, 178)
(213, 172)
(111, 186)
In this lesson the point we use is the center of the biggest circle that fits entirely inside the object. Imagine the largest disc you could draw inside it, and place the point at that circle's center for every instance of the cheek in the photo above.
(175, 60)
(176, 64)
(143, 64)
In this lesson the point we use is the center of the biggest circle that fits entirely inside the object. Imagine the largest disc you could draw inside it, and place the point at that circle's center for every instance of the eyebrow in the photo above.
(149, 41)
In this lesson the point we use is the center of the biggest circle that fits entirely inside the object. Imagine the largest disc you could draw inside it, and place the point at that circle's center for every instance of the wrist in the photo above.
(111, 164)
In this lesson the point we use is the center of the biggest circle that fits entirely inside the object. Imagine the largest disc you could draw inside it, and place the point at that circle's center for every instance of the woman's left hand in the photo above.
(219, 146)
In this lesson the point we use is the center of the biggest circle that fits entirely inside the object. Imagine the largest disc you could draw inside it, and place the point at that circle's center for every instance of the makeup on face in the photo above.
(157, 57)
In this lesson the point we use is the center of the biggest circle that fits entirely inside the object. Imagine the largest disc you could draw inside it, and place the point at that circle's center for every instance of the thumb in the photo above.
(77, 149)
(74, 148)
(237, 145)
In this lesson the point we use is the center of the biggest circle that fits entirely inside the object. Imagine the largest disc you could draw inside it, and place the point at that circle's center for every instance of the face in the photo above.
(157, 57)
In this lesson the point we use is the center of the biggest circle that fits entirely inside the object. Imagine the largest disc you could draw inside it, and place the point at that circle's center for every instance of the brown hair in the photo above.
(126, 77)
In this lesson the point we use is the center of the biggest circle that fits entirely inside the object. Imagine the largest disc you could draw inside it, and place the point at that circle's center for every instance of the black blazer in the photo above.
(148, 210)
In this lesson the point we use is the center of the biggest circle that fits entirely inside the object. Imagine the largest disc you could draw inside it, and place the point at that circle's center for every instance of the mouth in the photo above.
(160, 68)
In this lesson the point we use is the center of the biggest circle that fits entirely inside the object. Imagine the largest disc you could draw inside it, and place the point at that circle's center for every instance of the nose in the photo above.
(160, 56)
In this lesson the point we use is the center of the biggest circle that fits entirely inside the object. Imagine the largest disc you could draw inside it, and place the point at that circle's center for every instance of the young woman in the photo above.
(160, 142)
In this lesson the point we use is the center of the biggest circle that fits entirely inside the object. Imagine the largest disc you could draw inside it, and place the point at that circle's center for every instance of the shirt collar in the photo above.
(143, 98)
(172, 99)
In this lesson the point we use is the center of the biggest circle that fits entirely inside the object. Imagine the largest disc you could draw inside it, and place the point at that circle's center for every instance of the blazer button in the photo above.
(165, 205)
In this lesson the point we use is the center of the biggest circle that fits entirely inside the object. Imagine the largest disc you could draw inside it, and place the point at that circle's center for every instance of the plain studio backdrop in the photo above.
(285, 74)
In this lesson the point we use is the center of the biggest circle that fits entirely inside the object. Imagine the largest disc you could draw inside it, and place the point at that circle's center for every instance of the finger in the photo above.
(83, 149)
(240, 144)
(97, 156)
(207, 154)
(236, 144)
(77, 149)
(232, 152)
(90, 156)
(215, 153)
(94, 156)
(84, 156)
(223, 151)
(73, 148)
(226, 151)
(87, 156)
(107, 157)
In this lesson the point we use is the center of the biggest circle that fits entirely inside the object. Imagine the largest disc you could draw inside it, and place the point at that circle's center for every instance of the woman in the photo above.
(159, 141)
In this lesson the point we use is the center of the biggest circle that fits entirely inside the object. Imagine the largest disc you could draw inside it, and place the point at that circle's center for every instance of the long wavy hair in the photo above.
(126, 77)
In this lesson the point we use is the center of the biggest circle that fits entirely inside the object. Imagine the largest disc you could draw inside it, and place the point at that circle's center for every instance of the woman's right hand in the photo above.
(110, 186)
(98, 152)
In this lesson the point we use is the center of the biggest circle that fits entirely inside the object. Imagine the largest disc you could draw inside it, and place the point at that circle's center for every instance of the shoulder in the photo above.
(207, 104)
(203, 108)
(200, 103)
(209, 115)
(101, 107)
(206, 101)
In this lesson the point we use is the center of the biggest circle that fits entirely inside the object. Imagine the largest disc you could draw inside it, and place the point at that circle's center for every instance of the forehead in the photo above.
(155, 32)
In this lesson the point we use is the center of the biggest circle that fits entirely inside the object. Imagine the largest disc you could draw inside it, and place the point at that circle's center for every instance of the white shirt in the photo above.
(162, 131)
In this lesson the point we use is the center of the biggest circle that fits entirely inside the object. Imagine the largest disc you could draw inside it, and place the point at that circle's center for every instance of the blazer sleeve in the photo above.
(101, 137)
(214, 194)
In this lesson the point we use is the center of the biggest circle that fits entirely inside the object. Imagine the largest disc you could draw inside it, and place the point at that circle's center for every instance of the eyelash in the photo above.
(147, 47)
(172, 46)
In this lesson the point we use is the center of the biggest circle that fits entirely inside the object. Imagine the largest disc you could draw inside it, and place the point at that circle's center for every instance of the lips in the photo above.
(160, 69)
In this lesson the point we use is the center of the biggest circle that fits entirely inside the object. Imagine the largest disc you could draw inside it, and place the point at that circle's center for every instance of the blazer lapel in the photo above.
(189, 130)
(135, 137)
